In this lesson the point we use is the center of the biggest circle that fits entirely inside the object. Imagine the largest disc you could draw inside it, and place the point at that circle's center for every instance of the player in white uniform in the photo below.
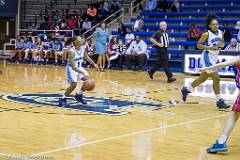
(211, 42)
(75, 71)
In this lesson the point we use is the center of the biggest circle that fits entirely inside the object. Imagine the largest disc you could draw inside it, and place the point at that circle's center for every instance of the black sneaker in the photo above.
(185, 93)
(79, 98)
(170, 80)
(62, 102)
(150, 75)
(222, 105)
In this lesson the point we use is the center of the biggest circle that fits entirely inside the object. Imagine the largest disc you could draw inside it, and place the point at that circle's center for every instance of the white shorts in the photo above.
(209, 59)
(72, 76)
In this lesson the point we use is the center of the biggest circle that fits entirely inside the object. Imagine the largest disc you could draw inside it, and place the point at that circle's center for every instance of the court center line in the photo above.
(127, 135)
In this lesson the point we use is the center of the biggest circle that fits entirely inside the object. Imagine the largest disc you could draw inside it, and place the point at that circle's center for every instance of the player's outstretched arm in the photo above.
(87, 58)
(74, 67)
(232, 61)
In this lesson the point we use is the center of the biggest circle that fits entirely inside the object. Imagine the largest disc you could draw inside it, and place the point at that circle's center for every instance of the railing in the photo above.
(107, 24)
(134, 7)
(45, 31)
(109, 17)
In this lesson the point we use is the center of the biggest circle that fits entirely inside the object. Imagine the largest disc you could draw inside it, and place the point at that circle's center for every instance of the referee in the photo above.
(161, 42)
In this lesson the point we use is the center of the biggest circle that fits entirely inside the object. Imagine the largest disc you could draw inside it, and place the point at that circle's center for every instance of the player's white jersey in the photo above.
(214, 39)
(72, 75)
(209, 57)
(78, 56)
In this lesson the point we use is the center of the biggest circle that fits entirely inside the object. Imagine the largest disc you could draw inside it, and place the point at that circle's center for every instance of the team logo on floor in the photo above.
(95, 104)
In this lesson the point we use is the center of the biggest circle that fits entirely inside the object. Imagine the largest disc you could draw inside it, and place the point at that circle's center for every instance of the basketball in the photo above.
(88, 85)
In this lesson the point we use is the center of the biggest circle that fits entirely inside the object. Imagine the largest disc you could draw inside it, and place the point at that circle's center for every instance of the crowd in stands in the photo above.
(162, 5)
(80, 20)
(123, 51)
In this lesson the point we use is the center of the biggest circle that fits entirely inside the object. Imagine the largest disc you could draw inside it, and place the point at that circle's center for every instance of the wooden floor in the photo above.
(122, 122)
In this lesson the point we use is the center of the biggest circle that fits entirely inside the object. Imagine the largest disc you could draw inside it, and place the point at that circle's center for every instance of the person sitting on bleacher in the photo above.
(237, 27)
(56, 51)
(138, 24)
(91, 51)
(151, 5)
(27, 49)
(121, 30)
(226, 33)
(46, 49)
(18, 49)
(114, 52)
(233, 46)
(175, 6)
(129, 36)
(137, 52)
(162, 6)
(33, 48)
(193, 34)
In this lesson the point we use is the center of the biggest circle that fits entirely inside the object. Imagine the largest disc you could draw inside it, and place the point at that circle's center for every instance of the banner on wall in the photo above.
(8, 8)
(192, 62)
(229, 91)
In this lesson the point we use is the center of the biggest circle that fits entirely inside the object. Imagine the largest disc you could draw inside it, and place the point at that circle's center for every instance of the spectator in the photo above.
(151, 5)
(175, 6)
(63, 22)
(72, 23)
(32, 29)
(226, 33)
(92, 12)
(114, 51)
(129, 36)
(115, 6)
(19, 49)
(45, 25)
(106, 7)
(137, 52)
(162, 5)
(101, 15)
(138, 5)
(122, 30)
(101, 44)
(138, 24)
(237, 27)
(84, 13)
(233, 46)
(86, 25)
(193, 34)
(91, 51)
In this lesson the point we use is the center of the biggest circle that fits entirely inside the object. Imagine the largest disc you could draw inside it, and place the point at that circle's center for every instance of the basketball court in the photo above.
(128, 117)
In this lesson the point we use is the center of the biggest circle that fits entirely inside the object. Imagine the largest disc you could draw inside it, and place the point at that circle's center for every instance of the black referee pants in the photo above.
(162, 62)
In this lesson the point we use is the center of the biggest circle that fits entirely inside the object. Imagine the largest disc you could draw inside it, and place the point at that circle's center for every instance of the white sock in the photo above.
(218, 97)
(222, 139)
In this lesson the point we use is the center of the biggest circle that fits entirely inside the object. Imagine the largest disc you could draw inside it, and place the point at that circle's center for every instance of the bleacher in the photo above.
(191, 11)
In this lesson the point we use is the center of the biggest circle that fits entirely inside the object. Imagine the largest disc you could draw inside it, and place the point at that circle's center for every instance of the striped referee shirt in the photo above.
(162, 37)
(232, 48)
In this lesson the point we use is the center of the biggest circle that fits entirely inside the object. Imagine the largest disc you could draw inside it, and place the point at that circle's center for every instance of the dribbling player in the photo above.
(214, 42)
(75, 71)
